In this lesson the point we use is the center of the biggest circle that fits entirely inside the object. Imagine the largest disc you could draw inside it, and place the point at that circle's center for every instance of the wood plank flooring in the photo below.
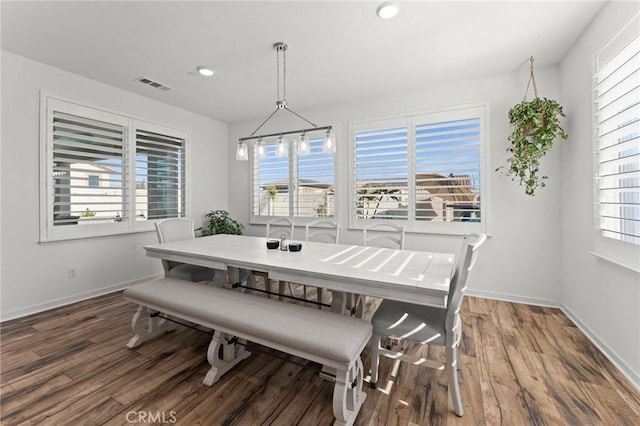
(520, 365)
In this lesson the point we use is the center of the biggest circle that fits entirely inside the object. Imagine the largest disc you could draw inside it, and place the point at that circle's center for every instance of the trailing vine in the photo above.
(536, 124)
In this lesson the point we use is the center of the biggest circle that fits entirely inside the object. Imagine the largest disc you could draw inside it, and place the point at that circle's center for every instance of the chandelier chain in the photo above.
(284, 75)
(278, 74)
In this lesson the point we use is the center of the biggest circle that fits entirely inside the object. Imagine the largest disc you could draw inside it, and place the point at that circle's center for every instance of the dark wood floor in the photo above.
(520, 365)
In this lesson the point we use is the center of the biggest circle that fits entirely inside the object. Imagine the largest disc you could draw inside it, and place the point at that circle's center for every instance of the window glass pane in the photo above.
(617, 121)
(295, 186)
(159, 176)
(315, 195)
(447, 170)
(381, 170)
(271, 183)
(88, 171)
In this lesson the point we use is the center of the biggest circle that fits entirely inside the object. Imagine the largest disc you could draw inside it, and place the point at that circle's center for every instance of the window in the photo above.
(107, 173)
(294, 186)
(425, 171)
(616, 91)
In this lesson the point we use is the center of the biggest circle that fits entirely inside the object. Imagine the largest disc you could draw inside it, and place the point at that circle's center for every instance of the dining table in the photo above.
(413, 276)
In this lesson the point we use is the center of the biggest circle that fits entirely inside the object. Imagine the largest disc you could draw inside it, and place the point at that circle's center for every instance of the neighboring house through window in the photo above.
(423, 171)
(107, 173)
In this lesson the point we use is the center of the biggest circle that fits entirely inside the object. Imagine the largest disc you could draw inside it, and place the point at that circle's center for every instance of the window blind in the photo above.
(420, 169)
(617, 130)
(271, 184)
(89, 170)
(295, 186)
(314, 190)
(447, 170)
(159, 177)
(380, 171)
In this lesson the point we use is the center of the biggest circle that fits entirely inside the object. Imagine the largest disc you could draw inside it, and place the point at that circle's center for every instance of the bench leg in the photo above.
(146, 327)
(348, 396)
(223, 354)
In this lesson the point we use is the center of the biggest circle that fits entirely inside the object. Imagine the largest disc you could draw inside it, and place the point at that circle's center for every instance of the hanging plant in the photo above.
(536, 124)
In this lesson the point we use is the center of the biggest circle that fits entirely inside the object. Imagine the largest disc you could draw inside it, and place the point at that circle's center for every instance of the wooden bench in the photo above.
(324, 337)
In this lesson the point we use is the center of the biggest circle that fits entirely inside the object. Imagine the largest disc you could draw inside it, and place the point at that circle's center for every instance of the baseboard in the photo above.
(41, 307)
(632, 376)
(513, 298)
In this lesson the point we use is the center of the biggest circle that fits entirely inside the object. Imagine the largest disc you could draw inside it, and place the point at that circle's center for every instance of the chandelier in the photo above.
(301, 143)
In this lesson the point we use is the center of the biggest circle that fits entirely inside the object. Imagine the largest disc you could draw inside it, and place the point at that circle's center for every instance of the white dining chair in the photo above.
(427, 324)
(176, 229)
(384, 234)
(322, 231)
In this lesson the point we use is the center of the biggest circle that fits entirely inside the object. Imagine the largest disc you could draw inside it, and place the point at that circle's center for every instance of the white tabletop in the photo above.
(411, 276)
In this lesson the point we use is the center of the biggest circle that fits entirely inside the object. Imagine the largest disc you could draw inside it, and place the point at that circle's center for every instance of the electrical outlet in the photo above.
(72, 272)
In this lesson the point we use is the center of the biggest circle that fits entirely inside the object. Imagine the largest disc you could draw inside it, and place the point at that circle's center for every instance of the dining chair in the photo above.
(322, 231)
(175, 229)
(384, 234)
(276, 229)
(409, 322)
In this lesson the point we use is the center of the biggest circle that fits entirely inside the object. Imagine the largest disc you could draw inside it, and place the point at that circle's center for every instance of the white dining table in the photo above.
(404, 275)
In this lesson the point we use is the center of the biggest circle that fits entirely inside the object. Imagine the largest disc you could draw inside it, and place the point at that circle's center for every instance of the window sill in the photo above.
(66, 239)
(616, 262)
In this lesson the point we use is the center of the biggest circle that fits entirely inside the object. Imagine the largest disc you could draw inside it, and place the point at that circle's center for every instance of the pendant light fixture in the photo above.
(282, 146)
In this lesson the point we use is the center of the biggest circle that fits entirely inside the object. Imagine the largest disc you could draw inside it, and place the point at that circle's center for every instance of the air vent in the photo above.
(155, 84)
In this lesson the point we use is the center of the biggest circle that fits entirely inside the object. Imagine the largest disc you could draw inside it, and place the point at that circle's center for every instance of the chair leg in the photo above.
(319, 297)
(454, 387)
(375, 360)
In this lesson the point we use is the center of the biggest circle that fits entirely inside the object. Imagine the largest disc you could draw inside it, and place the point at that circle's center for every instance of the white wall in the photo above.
(34, 277)
(604, 299)
(521, 260)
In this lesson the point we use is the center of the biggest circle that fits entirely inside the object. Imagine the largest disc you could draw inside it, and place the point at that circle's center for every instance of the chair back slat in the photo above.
(280, 226)
(384, 235)
(174, 229)
(322, 231)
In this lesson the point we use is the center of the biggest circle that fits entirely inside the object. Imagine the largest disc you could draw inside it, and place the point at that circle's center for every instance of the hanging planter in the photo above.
(536, 124)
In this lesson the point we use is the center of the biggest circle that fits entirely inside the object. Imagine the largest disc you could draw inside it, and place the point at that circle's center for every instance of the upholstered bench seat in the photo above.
(320, 336)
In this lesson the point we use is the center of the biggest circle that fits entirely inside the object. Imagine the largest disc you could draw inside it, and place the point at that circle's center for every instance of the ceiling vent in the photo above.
(155, 84)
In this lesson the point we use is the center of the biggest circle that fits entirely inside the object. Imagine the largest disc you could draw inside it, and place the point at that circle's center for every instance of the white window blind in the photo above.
(160, 183)
(295, 186)
(107, 173)
(617, 130)
(89, 170)
(423, 170)
(381, 167)
(447, 169)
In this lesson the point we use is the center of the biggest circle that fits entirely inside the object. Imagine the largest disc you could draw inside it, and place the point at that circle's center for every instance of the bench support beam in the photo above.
(224, 354)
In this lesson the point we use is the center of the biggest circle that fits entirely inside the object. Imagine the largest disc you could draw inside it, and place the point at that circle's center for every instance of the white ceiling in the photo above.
(339, 51)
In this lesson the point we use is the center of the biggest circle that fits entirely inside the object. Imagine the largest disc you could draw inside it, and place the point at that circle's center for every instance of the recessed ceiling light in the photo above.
(387, 10)
(207, 72)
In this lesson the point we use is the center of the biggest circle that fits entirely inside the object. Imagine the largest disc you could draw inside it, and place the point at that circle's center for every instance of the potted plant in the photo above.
(536, 124)
(221, 223)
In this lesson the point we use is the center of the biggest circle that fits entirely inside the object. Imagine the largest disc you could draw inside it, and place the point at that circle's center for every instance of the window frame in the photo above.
(255, 219)
(622, 253)
(410, 224)
(51, 234)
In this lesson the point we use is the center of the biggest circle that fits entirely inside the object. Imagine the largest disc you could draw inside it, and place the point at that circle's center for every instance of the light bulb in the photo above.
(329, 145)
(242, 152)
(261, 149)
(303, 145)
(282, 148)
